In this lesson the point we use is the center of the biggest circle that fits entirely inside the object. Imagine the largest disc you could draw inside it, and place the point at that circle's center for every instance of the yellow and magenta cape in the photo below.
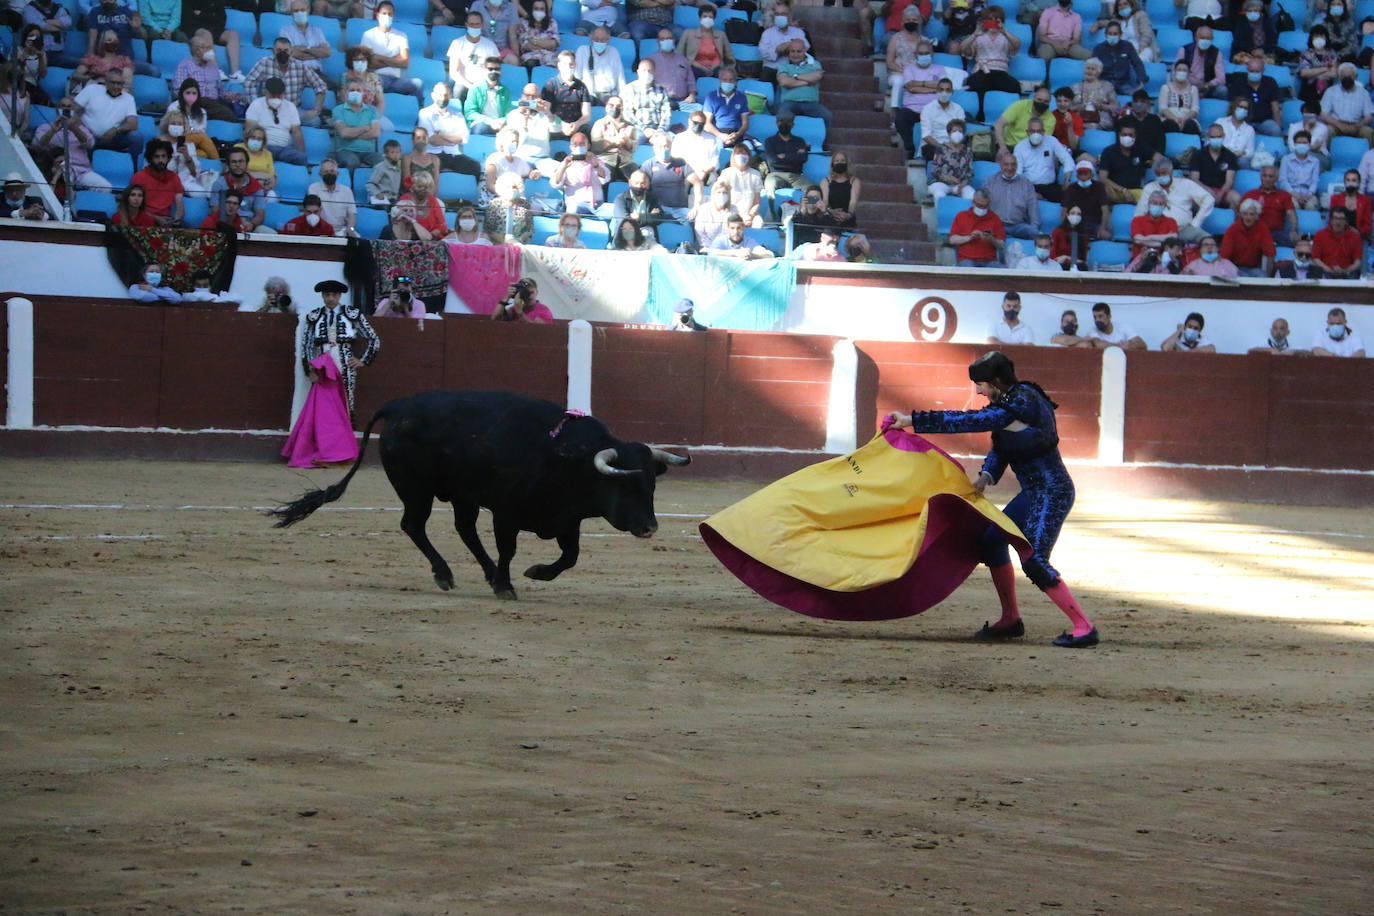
(886, 531)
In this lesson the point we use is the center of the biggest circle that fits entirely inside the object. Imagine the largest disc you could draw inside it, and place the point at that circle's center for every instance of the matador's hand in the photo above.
(981, 483)
(899, 420)
(354, 363)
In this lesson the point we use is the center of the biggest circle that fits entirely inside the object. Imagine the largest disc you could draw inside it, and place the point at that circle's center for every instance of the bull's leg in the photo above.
(413, 521)
(568, 543)
(465, 521)
(506, 532)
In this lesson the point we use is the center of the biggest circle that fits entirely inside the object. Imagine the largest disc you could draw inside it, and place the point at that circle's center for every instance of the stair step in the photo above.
(850, 82)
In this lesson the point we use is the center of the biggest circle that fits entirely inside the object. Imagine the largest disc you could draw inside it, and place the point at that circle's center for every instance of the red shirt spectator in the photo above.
(430, 215)
(236, 222)
(1068, 127)
(301, 226)
(1274, 206)
(1359, 204)
(967, 223)
(142, 218)
(1151, 225)
(1247, 246)
(1342, 250)
(160, 189)
(1061, 244)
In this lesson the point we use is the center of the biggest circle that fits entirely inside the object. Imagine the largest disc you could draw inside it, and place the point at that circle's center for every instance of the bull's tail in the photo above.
(292, 512)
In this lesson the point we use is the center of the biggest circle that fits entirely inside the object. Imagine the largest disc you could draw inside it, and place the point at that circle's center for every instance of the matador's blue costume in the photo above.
(1047, 491)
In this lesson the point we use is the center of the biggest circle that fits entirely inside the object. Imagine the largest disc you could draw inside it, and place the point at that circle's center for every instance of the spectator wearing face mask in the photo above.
(1300, 173)
(1039, 158)
(949, 168)
(698, 148)
(776, 39)
(569, 227)
(278, 80)
(1214, 167)
(228, 216)
(809, 218)
(1068, 332)
(905, 44)
(1090, 197)
(1149, 127)
(599, 67)
(1011, 128)
(1252, 33)
(448, 131)
(201, 66)
(615, 140)
(537, 38)
(1070, 240)
(1011, 331)
(1210, 263)
(1013, 199)
(308, 43)
(1317, 65)
(1094, 99)
(1040, 257)
(390, 49)
(1300, 267)
(150, 288)
(992, 47)
(936, 119)
(356, 129)
(1059, 33)
(1346, 107)
(1316, 129)
(1151, 228)
(1205, 63)
(646, 104)
(706, 47)
(672, 70)
(1179, 102)
(1238, 134)
(339, 208)
(310, 222)
(1121, 64)
(581, 176)
(1277, 343)
(1188, 202)
(1248, 244)
(924, 83)
(1106, 332)
(1187, 337)
(1350, 198)
(201, 281)
(1123, 166)
(745, 184)
(710, 220)
(786, 155)
(1136, 28)
(469, 61)
(280, 121)
(727, 110)
(1338, 338)
(1261, 93)
(1277, 212)
(467, 229)
(977, 234)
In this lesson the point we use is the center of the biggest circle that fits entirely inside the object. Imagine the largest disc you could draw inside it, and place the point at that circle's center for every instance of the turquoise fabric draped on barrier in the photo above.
(742, 295)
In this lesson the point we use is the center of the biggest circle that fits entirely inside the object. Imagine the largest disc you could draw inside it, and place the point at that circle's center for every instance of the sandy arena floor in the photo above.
(203, 714)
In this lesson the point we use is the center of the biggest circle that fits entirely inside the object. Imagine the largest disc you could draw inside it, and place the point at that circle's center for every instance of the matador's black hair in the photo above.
(993, 366)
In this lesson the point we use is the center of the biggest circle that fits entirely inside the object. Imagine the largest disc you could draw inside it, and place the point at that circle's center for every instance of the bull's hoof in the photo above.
(445, 582)
(544, 572)
(507, 594)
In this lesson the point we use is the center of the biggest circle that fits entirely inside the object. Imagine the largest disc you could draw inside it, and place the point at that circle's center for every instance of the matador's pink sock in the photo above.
(1065, 601)
(1004, 580)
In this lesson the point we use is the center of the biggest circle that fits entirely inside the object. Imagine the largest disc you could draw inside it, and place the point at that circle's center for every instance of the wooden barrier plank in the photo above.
(97, 366)
(650, 386)
(412, 360)
(203, 350)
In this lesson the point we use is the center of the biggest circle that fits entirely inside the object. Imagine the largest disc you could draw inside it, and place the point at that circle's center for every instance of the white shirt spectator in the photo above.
(1041, 163)
(1348, 345)
(1347, 106)
(1238, 138)
(448, 120)
(700, 151)
(1022, 333)
(601, 15)
(1120, 334)
(1031, 262)
(99, 112)
(1184, 195)
(935, 120)
(387, 44)
(771, 38)
(603, 73)
(745, 187)
(1321, 135)
(470, 59)
(278, 125)
(337, 206)
(1201, 9)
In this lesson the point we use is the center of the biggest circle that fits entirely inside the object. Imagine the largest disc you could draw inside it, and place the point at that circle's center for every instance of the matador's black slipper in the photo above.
(1068, 641)
(989, 633)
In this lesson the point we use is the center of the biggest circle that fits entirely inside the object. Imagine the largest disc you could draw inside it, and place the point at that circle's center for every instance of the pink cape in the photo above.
(947, 554)
(323, 431)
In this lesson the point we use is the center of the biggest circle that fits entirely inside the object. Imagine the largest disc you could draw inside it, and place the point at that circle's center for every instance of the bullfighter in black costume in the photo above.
(338, 326)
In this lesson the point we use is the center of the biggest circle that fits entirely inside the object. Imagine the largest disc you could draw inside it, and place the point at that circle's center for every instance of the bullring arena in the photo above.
(206, 714)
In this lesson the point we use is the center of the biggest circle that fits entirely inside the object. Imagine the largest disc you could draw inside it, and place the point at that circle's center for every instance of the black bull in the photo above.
(534, 466)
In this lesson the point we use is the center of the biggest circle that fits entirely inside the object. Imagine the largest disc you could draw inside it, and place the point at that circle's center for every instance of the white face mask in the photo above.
(539, 15)
(300, 17)
(1042, 253)
(1075, 219)
(957, 136)
(312, 218)
(359, 66)
(208, 56)
(707, 22)
(780, 21)
(176, 130)
(1036, 139)
(384, 21)
(467, 224)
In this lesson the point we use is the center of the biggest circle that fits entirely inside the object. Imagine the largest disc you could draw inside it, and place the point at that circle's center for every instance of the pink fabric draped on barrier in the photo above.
(323, 432)
(480, 274)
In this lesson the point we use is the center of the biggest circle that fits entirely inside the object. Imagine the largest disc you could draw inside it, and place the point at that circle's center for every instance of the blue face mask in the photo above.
(1335, 331)
(1085, 182)
(1165, 180)
(1210, 256)
(474, 33)
(1301, 148)
(1156, 210)
(1113, 40)
(1253, 16)
(1192, 334)
(1215, 142)
(1204, 44)
(1254, 76)
(153, 278)
(600, 46)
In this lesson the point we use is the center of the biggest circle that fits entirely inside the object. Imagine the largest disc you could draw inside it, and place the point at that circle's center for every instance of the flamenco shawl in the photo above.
(884, 532)
(323, 431)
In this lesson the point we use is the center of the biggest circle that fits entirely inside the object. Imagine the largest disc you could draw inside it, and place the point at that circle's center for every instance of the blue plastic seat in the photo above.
(1065, 71)
(1310, 222)
(403, 110)
(817, 165)
(1217, 221)
(626, 47)
(231, 132)
(371, 222)
(116, 167)
(1170, 40)
(54, 82)
(279, 213)
(1346, 152)
(150, 93)
(440, 37)
(411, 11)
(354, 29)
(545, 227)
(292, 181)
(947, 60)
(1210, 110)
(1108, 254)
(249, 55)
(812, 130)
(196, 210)
(1027, 69)
(1246, 180)
(1122, 214)
(240, 21)
(672, 234)
(360, 179)
(318, 144)
(1276, 145)
(686, 17)
(946, 208)
(269, 27)
(758, 87)
(457, 186)
(1049, 215)
(1293, 41)
(1095, 141)
(994, 103)
(983, 169)
(95, 201)
(767, 237)
(428, 71)
(762, 126)
(166, 55)
(595, 234)
(648, 46)
(1176, 143)
(1162, 13)
(567, 13)
(415, 32)
(1156, 75)
(542, 74)
(480, 146)
(967, 99)
(333, 31)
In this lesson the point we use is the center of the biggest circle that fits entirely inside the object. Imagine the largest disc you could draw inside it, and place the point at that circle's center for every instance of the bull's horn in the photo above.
(603, 459)
(669, 458)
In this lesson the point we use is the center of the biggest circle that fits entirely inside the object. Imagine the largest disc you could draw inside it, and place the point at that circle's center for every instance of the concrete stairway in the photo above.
(887, 212)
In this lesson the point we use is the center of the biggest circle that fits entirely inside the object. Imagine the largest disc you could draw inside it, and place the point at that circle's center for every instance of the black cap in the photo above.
(330, 286)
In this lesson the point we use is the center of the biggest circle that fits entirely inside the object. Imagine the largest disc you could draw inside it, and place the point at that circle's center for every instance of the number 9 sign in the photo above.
(932, 320)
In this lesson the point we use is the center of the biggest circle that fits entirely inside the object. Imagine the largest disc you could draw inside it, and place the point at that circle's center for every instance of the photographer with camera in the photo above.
(402, 302)
(522, 304)
(76, 140)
